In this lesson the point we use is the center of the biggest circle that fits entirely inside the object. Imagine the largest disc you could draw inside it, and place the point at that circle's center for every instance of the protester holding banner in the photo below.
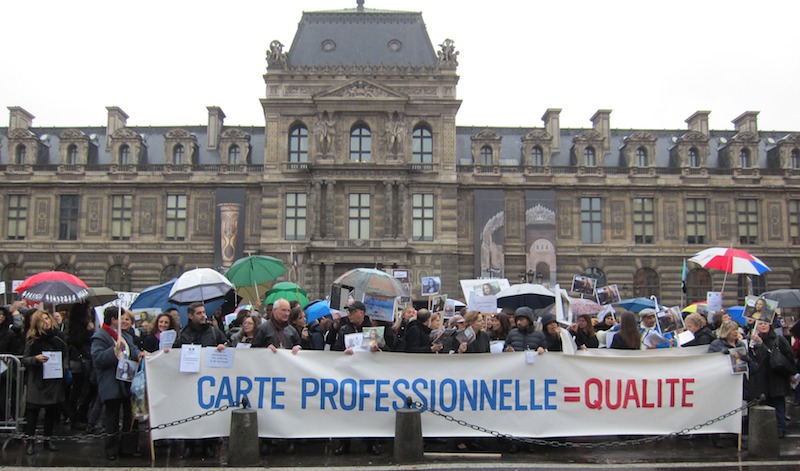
(583, 332)
(276, 332)
(697, 325)
(628, 336)
(768, 379)
(480, 344)
(199, 331)
(552, 333)
(45, 389)
(525, 336)
(161, 323)
(247, 332)
(109, 347)
(418, 334)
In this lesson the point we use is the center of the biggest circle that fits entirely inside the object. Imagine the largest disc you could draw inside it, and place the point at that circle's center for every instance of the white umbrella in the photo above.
(532, 295)
(199, 284)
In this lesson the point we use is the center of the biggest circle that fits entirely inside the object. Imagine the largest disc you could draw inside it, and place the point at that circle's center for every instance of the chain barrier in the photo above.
(23, 436)
(586, 445)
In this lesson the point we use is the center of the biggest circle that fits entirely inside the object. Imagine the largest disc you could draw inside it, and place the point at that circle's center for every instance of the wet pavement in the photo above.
(700, 451)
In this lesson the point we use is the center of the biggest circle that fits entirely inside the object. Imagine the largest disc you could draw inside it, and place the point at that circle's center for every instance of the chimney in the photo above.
(601, 122)
(747, 122)
(215, 120)
(117, 119)
(552, 125)
(19, 118)
(698, 122)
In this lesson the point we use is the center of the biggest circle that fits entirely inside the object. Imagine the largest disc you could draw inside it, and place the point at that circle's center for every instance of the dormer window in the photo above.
(124, 154)
(21, 154)
(537, 157)
(693, 159)
(589, 157)
(795, 159)
(72, 154)
(641, 157)
(178, 155)
(744, 157)
(234, 155)
(486, 155)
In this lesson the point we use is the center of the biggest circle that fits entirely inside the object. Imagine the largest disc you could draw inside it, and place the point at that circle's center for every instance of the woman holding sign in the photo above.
(46, 360)
(162, 323)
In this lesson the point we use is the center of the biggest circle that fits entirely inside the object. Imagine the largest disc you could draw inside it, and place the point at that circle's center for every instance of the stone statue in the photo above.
(448, 54)
(325, 129)
(395, 134)
(275, 55)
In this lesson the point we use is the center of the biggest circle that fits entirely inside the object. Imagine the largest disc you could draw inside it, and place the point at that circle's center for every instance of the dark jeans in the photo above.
(112, 423)
(779, 403)
(51, 414)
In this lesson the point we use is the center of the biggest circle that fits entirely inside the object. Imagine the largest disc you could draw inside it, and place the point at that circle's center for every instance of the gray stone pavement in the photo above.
(671, 453)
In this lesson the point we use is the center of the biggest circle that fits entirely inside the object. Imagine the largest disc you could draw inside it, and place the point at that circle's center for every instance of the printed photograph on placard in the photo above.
(438, 303)
(489, 288)
(482, 286)
(449, 308)
(670, 320)
(340, 295)
(583, 285)
(760, 308)
(379, 308)
(608, 295)
(431, 285)
(738, 363)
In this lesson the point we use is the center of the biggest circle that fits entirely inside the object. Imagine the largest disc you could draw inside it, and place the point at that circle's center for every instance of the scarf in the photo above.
(279, 331)
(111, 332)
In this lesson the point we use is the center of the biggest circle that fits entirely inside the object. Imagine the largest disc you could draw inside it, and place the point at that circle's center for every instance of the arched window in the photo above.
(641, 157)
(646, 283)
(589, 158)
(744, 157)
(124, 154)
(698, 283)
(597, 274)
(694, 162)
(537, 156)
(422, 145)
(72, 154)
(169, 272)
(118, 278)
(486, 155)
(21, 154)
(234, 155)
(750, 285)
(67, 268)
(795, 159)
(178, 154)
(360, 144)
(298, 144)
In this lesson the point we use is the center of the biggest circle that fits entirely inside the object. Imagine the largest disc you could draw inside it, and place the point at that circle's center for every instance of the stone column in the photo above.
(403, 223)
(330, 206)
(316, 210)
(388, 214)
(328, 280)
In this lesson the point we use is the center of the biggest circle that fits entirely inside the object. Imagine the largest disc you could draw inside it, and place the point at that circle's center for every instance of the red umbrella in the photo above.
(50, 276)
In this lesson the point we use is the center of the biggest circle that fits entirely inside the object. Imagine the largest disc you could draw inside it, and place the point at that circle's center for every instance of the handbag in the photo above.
(779, 364)
(139, 394)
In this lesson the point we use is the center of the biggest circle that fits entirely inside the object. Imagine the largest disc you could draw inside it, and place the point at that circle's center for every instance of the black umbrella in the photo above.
(55, 292)
(786, 297)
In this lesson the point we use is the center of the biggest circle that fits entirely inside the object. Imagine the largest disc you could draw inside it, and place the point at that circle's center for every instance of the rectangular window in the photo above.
(591, 221)
(17, 217)
(121, 217)
(358, 215)
(644, 220)
(422, 216)
(176, 217)
(695, 221)
(747, 218)
(794, 222)
(68, 217)
(295, 216)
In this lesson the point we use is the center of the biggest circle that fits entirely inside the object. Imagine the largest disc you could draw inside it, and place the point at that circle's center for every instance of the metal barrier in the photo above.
(12, 401)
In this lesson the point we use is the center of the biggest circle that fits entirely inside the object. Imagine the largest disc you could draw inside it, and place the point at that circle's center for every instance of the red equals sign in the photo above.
(572, 394)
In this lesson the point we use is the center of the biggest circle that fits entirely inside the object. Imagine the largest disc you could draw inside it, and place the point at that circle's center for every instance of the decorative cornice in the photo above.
(72, 134)
(694, 137)
(125, 133)
(20, 133)
(540, 215)
(640, 136)
(538, 135)
(792, 138)
(235, 133)
(745, 136)
(179, 134)
(486, 135)
(361, 89)
(590, 135)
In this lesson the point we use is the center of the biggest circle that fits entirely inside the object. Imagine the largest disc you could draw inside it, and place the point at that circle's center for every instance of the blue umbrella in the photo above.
(157, 296)
(317, 309)
(637, 304)
(737, 314)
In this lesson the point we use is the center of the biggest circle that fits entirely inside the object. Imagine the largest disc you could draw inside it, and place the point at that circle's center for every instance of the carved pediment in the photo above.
(640, 136)
(590, 135)
(72, 134)
(540, 215)
(793, 138)
(235, 133)
(361, 89)
(125, 133)
(20, 133)
(179, 134)
(486, 135)
(745, 136)
(538, 135)
(694, 136)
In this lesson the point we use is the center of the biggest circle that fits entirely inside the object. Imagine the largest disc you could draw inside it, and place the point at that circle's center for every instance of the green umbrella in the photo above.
(288, 291)
(255, 270)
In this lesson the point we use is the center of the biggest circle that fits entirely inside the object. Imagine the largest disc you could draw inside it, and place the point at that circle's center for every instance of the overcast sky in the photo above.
(652, 63)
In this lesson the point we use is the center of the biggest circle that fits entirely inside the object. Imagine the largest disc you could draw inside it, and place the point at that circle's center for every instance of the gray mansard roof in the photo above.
(388, 38)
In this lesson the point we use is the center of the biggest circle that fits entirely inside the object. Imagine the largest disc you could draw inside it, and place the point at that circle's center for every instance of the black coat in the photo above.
(42, 391)
(205, 335)
(704, 336)
(417, 337)
(480, 344)
(765, 381)
(529, 339)
(10, 337)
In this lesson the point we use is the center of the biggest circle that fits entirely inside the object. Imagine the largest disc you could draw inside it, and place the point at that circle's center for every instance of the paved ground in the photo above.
(671, 453)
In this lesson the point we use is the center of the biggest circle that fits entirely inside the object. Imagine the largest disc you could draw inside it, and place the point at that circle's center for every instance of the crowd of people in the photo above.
(92, 396)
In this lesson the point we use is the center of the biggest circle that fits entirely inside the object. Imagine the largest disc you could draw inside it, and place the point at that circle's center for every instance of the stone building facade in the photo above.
(359, 163)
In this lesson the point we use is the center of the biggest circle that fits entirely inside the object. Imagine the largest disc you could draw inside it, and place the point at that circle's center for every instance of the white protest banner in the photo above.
(329, 394)
(483, 304)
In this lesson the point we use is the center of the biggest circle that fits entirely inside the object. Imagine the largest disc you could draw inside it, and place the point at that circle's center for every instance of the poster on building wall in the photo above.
(540, 236)
(489, 233)
(229, 226)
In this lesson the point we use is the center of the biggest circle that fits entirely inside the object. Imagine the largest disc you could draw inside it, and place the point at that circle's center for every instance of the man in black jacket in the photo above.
(418, 334)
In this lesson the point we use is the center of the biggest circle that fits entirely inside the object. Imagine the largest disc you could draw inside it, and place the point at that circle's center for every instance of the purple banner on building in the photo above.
(540, 235)
(229, 227)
